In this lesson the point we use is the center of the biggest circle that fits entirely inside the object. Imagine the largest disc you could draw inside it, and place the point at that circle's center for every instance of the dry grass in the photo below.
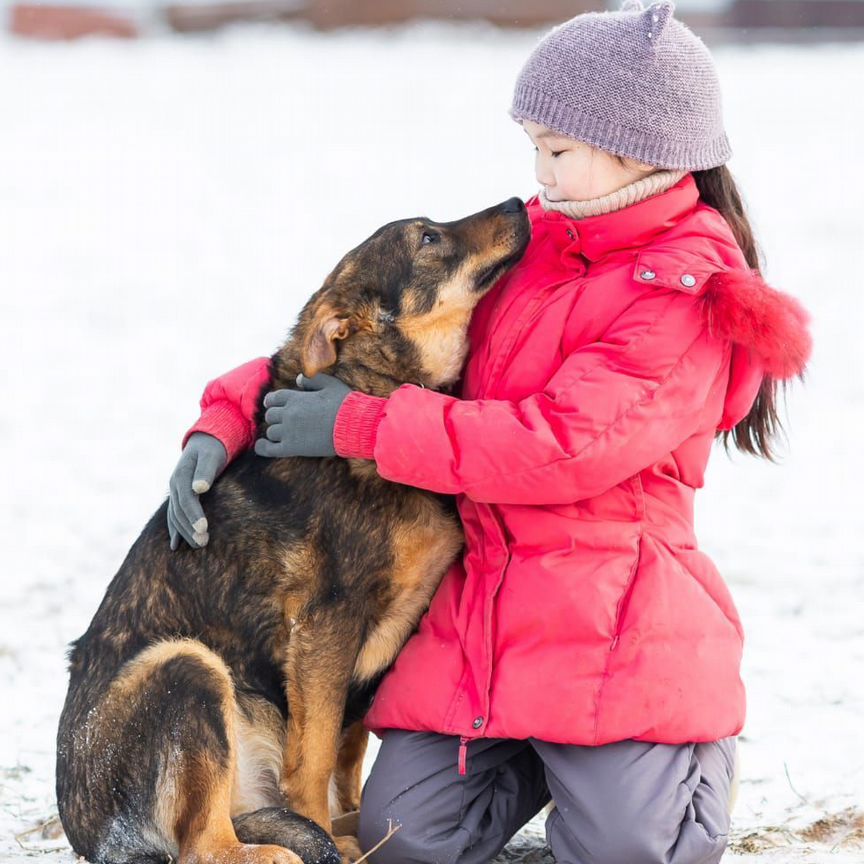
(833, 832)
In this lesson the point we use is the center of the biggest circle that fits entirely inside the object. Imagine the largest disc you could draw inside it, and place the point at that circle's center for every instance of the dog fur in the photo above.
(218, 693)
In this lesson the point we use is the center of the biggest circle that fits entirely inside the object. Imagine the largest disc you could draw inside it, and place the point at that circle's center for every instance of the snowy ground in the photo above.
(165, 207)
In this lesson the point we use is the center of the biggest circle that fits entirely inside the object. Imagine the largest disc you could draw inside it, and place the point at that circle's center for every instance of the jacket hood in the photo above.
(768, 330)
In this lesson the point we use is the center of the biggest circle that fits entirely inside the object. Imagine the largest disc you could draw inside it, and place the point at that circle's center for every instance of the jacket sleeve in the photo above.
(229, 404)
(613, 408)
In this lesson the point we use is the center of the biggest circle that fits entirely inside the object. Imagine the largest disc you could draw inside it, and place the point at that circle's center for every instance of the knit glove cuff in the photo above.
(223, 420)
(357, 425)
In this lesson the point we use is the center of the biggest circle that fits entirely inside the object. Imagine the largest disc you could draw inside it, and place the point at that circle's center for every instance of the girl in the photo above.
(584, 650)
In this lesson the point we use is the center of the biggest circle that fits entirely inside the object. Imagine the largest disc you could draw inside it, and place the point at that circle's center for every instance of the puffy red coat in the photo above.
(599, 370)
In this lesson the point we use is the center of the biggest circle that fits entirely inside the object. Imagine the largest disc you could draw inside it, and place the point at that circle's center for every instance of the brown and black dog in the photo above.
(218, 692)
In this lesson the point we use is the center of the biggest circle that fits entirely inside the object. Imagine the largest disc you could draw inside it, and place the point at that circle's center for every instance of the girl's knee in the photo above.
(632, 841)
(375, 822)
(573, 842)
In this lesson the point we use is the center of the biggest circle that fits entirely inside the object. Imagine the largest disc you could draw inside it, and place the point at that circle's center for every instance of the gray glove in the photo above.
(300, 422)
(203, 459)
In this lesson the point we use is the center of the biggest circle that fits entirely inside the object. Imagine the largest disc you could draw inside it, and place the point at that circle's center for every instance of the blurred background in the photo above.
(176, 178)
(747, 19)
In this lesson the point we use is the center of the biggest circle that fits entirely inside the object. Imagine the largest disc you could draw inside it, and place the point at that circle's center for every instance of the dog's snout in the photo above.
(512, 205)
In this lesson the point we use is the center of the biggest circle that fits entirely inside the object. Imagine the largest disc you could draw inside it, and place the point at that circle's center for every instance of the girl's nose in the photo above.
(542, 173)
(546, 183)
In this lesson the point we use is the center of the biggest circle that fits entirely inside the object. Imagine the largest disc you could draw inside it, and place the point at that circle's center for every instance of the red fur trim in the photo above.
(739, 306)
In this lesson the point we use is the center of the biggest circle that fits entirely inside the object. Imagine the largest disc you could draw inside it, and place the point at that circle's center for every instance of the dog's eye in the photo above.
(429, 238)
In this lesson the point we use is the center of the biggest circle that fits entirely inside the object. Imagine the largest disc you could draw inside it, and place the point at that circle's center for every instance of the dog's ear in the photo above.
(319, 348)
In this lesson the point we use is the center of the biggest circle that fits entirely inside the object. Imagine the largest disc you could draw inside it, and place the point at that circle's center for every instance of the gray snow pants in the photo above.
(624, 803)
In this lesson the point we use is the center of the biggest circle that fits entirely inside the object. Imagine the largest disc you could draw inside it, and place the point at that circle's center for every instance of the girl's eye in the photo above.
(429, 238)
(555, 153)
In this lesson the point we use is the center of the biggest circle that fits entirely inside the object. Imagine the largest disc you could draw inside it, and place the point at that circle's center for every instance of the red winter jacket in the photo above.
(599, 369)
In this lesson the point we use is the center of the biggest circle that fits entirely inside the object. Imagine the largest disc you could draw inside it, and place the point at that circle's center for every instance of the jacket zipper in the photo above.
(502, 540)
(464, 739)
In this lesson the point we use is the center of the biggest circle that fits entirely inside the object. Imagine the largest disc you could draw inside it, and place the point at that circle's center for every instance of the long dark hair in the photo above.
(754, 434)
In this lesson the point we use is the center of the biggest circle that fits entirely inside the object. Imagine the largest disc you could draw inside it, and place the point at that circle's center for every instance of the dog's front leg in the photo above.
(349, 767)
(319, 664)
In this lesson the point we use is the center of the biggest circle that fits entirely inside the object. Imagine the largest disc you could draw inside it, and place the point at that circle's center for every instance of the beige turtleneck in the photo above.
(632, 193)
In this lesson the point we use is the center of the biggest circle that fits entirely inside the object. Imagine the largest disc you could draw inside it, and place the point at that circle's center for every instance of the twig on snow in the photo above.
(792, 787)
(50, 822)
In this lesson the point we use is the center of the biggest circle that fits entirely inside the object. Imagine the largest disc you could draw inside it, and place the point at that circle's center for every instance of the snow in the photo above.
(167, 205)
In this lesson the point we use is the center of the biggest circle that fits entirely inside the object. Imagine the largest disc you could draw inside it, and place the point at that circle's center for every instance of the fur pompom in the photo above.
(741, 307)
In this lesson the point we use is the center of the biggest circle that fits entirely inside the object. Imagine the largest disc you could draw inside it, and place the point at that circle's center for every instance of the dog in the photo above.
(218, 693)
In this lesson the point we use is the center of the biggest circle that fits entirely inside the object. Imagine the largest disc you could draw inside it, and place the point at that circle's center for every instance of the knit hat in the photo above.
(636, 82)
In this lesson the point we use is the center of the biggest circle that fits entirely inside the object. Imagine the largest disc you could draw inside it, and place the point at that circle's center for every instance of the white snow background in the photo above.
(167, 205)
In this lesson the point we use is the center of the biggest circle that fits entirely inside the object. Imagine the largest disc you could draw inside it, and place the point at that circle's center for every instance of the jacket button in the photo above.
(688, 281)
(648, 275)
(570, 234)
(478, 722)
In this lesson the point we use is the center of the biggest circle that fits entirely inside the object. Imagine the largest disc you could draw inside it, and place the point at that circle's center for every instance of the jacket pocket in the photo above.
(627, 593)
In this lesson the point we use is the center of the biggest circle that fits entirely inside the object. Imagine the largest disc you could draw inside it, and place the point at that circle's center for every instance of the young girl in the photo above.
(584, 650)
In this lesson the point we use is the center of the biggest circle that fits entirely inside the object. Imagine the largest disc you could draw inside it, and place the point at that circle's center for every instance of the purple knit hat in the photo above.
(636, 82)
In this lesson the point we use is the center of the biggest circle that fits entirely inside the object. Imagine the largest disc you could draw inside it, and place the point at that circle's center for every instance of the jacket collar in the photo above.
(629, 228)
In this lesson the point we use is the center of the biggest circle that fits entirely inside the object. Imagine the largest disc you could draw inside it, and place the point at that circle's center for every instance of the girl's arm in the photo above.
(229, 404)
(612, 408)
(227, 418)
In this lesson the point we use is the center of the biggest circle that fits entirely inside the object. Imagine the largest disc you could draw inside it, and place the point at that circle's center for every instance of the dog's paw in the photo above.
(274, 855)
(348, 848)
(243, 853)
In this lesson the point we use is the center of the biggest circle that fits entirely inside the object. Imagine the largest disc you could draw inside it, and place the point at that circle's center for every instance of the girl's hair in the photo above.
(756, 432)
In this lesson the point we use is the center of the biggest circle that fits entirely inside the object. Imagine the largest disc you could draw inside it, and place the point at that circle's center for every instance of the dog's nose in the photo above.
(512, 205)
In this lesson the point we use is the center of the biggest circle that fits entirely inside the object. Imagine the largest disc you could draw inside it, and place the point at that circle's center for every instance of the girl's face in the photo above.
(574, 171)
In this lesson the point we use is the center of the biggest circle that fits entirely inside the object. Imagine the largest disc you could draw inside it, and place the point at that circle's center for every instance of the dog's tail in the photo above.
(279, 826)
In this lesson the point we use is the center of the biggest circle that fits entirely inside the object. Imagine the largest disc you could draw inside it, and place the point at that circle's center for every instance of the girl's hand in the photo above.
(300, 422)
(201, 462)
